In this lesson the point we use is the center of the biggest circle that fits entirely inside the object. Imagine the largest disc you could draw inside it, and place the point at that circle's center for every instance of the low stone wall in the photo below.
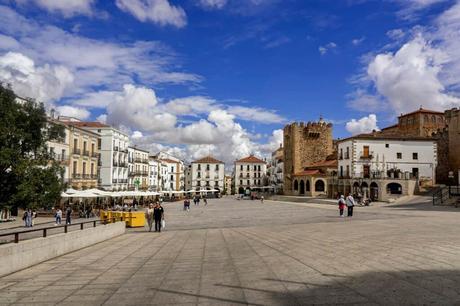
(17, 256)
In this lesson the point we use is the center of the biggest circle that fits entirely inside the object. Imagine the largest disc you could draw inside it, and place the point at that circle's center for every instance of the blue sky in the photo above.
(224, 76)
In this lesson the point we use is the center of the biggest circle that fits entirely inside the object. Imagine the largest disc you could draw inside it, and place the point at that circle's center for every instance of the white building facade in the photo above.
(207, 173)
(175, 172)
(249, 173)
(388, 166)
(138, 169)
(113, 148)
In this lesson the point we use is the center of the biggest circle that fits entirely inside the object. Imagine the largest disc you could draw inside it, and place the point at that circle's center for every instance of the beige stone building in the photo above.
(304, 145)
(419, 123)
(84, 158)
(228, 184)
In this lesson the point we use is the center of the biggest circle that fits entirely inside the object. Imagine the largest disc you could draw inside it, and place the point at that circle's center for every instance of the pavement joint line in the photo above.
(203, 253)
(261, 258)
(315, 269)
(171, 262)
(391, 274)
(233, 262)
(144, 262)
(97, 275)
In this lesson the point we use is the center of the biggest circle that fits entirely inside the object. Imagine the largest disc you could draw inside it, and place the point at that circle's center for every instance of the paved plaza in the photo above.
(248, 253)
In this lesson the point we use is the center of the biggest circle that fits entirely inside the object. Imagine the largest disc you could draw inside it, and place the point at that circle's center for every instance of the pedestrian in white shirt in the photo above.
(350, 203)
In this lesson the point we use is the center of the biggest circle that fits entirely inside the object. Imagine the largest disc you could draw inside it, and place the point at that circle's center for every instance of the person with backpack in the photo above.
(350, 203)
(342, 204)
(68, 215)
(25, 218)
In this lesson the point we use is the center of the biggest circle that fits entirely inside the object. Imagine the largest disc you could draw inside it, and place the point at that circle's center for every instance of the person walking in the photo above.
(342, 204)
(68, 215)
(34, 215)
(29, 217)
(58, 216)
(350, 203)
(158, 213)
(205, 200)
(262, 199)
(25, 218)
(149, 216)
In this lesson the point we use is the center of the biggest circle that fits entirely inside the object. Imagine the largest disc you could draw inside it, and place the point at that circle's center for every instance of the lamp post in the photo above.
(451, 178)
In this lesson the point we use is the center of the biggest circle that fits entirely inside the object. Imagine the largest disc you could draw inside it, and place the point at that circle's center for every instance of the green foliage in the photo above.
(27, 177)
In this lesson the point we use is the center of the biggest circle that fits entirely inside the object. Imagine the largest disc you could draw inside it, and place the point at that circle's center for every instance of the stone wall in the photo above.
(18, 256)
(442, 169)
(453, 123)
(305, 144)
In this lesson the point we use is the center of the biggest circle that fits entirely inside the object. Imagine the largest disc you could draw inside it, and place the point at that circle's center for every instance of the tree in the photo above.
(28, 175)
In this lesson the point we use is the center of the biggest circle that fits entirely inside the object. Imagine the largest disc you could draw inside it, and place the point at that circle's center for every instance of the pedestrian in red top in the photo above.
(342, 204)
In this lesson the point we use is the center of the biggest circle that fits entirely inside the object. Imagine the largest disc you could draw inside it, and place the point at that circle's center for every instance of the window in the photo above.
(207, 167)
(348, 171)
(255, 168)
(198, 175)
(241, 182)
(347, 156)
(249, 183)
(414, 155)
(216, 183)
(258, 168)
(199, 166)
(74, 169)
(92, 148)
(241, 167)
(399, 155)
(217, 167)
(341, 171)
(84, 146)
(387, 145)
(92, 169)
(172, 177)
(248, 168)
(255, 182)
(84, 168)
(75, 143)
(366, 151)
(341, 154)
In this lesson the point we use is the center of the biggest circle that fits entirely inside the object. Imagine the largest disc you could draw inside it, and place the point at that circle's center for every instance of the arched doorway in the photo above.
(241, 190)
(302, 187)
(394, 188)
(296, 185)
(319, 186)
(356, 188)
(374, 191)
(308, 186)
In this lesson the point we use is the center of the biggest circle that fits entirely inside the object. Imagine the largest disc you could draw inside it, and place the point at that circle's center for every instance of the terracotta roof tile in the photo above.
(86, 124)
(208, 160)
(250, 159)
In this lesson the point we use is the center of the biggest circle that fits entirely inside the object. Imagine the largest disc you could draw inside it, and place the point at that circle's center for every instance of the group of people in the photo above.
(196, 201)
(29, 217)
(348, 202)
(68, 216)
(155, 214)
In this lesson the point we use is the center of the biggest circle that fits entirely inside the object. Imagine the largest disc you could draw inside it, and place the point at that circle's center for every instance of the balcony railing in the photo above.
(76, 151)
(115, 148)
(95, 155)
(364, 155)
(394, 175)
(76, 176)
(60, 157)
(85, 153)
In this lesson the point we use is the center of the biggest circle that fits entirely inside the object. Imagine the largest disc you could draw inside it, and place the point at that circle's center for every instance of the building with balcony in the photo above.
(384, 166)
(138, 169)
(207, 173)
(249, 172)
(83, 157)
(175, 172)
(228, 185)
(113, 149)
(60, 150)
(275, 170)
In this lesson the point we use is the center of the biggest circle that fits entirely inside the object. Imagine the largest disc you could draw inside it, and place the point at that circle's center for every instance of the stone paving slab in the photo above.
(262, 254)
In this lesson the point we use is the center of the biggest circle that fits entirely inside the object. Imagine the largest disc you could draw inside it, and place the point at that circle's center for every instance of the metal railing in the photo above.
(45, 230)
(76, 151)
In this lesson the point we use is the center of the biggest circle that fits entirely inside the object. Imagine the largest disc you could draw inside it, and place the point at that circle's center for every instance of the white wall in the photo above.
(384, 156)
(212, 175)
(254, 176)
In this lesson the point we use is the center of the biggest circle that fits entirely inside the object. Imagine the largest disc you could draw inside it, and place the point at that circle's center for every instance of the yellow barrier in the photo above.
(133, 219)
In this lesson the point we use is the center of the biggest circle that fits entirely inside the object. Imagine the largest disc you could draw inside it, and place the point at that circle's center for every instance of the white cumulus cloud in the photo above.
(45, 83)
(72, 111)
(67, 8)
(364, 125)
(160, 12)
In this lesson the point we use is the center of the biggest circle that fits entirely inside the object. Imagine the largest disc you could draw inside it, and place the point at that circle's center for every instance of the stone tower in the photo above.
(305, 144)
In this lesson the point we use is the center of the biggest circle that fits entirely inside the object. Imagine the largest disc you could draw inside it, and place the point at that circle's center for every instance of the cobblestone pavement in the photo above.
(248, 253)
